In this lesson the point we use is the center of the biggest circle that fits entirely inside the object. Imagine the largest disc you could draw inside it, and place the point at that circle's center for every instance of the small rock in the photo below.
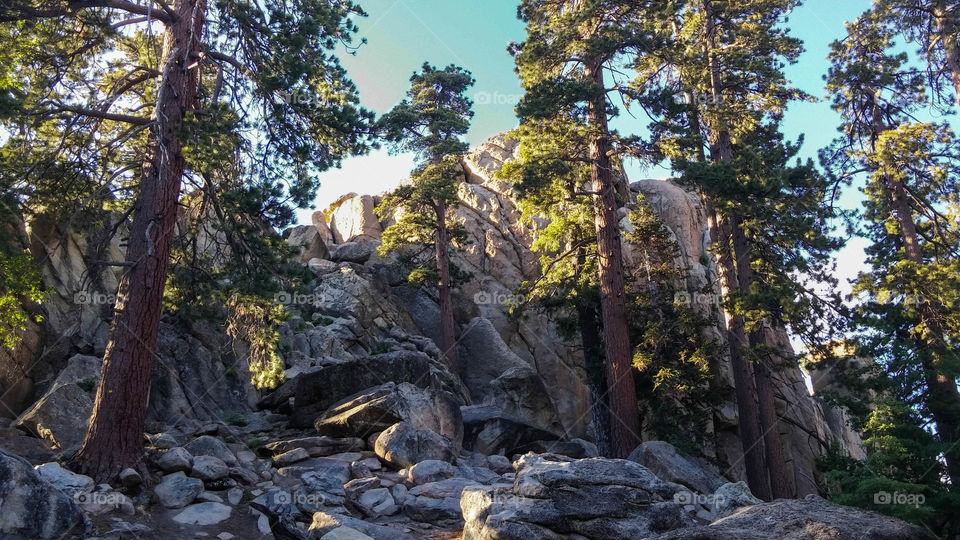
(211, 446)
(68, 482)
(359, 469)
(345, 533)
(399, 493)
(234, 496)
(499, 464)
(347, 456)
(431, 470)
(209, 468)
(164, 441)
(354, 489)
(730, 497)
(104, 501)
(175, 460)
(221, 484)
(402, 445)
(225, 536)
(291, 457)
(377, 502)
(130, 478)
(245, 476)
(206, 496)
(177, 491)
(263, 524)
(207, 513)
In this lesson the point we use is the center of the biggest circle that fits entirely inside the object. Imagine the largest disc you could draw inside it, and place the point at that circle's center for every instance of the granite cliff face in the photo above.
(499, 256)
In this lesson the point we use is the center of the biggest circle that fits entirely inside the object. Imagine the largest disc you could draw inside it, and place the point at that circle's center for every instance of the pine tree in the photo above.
(86, 72)
(569, 57)
(716, 90)
(431, 122)
(911, 208)
(935, 26)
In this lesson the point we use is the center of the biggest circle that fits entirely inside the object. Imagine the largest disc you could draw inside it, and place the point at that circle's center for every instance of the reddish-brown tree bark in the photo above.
(115, 435)
(447, 324)
(624, 416)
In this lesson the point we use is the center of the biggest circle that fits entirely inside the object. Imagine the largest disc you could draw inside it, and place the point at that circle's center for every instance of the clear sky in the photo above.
(402, 34)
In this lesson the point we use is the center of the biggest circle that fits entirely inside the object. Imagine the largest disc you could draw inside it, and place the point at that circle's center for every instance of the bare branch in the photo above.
(18, 10)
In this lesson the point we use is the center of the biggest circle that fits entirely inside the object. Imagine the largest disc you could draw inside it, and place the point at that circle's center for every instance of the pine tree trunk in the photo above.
(115, 435)
(447, 325)
(947, 33)
(943, 399)
(625, 420)
(763, 377)
(744, 382)
(730, 234)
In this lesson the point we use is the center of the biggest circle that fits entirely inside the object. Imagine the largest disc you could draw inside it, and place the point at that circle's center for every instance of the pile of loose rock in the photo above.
(401, 483)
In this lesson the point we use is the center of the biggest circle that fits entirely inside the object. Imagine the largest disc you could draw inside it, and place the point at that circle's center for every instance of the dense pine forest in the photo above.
(525, 338)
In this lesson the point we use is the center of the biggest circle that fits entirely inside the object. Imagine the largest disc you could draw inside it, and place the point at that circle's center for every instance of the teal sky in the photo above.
(402, 34)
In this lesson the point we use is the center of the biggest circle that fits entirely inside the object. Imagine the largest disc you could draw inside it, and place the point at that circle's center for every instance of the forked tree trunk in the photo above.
(625, 420)
(763, 378)
(114, 437)
(744, 382)
(447, 325)
(751, 429)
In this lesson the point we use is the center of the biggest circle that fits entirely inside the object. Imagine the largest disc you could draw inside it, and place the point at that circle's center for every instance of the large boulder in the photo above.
(320, 388)
(488, 430)
(495, 374)
(66, 481)
(810, 518)
(351, 252)
(554, 497)
(403, 445)
(307, 241)
(354, 219)
(30, 507)
(177, 491)
(325, 523)
(378, 408)
(663, 459)
(62, 414)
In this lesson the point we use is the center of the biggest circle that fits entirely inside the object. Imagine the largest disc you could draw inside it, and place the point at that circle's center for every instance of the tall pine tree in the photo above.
(431, 122)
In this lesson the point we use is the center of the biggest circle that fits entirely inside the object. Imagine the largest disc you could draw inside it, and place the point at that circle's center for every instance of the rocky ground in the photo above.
(268, 480)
